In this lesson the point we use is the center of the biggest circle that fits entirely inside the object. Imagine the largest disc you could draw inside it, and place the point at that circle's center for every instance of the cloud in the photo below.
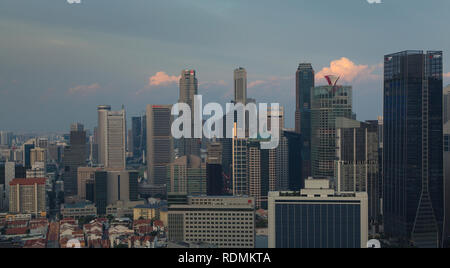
(447, 75)
(349, 71)
(74, 1)
(271, 81)
(374, 1)
(84, 90)
(256, 83)
(162, 79)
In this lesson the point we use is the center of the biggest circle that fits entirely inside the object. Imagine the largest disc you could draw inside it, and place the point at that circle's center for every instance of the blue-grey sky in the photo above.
(58, 61)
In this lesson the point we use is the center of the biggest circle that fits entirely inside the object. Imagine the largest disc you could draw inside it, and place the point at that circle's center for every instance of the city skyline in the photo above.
(135, 63)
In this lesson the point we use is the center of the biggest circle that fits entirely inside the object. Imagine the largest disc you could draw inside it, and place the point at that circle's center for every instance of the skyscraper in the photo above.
(305, 81)
(159, 142)
(413, 181)
(295, 182)
(327, 103)
(214, 175)
(116, 130)
(136, 136)
(446, 104)
(74, 157)
(188, 89)
(240, 165)
(356, 167)
(240, 86)
(102, 111)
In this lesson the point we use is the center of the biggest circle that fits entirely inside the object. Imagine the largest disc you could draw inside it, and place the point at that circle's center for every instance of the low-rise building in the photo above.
(227, 222)
(78, 210)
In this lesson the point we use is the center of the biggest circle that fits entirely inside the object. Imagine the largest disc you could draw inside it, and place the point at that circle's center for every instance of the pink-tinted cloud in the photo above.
(447, 75)
(84, 90)
(256, 83)
(162, 79)
(349, 71)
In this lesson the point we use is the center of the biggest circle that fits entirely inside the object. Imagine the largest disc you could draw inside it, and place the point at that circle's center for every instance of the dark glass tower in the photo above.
(136, 134)
(74, 157)
(413, 141)
(304, 84)
(295, 180)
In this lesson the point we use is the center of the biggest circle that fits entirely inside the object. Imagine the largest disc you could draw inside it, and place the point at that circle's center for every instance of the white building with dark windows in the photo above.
(226, 222)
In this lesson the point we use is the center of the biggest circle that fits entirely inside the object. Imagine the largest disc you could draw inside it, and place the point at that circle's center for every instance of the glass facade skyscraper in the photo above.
(413, 146)
(304, 85)
(327, 103)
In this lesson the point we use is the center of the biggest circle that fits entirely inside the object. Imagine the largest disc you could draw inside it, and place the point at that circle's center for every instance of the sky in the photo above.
(59, 60)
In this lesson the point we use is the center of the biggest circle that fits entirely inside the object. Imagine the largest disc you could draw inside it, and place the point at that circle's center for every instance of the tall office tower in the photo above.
(446, 232)
(38, 155)
(317, 217)
(187, 175)
(261, 172)
(27, 154)
(144, 138)
(116, 129)
(102, 111)
(327, 103)
(240, 165)
(226, 222)
(295, 181)
(188, 89)
(95, 147)
(413, 200)
(136, 136)
(446, 104)
(240, 86)
(159, 142)
(380, 158)
(214, 175)
(255, 180)
(305, 81)
(282, 165)
(356, 166)
(27, 196)
(74, 157)
(6, 138)
(130, 143)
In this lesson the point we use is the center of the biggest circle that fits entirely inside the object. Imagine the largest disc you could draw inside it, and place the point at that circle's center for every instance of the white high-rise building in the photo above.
(240, 85)
(112, 137)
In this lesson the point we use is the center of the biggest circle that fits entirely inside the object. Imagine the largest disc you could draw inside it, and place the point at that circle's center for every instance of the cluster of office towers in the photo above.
(328, 172)
(394, 162)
